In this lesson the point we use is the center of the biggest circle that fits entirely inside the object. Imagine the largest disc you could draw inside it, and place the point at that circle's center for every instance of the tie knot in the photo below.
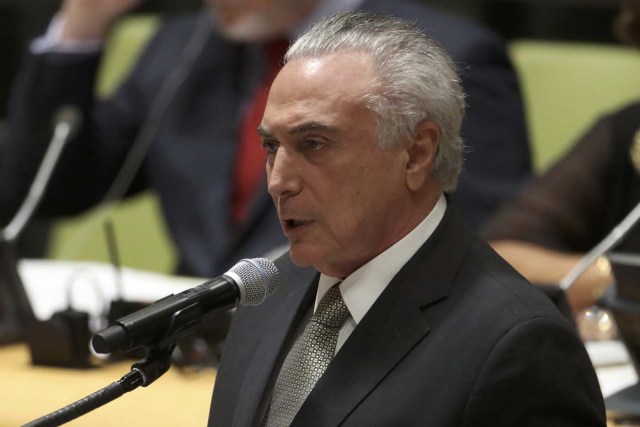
(331, 311)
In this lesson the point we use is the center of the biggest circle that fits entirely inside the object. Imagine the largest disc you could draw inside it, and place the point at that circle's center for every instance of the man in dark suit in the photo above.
(187, 100)
(390, 311)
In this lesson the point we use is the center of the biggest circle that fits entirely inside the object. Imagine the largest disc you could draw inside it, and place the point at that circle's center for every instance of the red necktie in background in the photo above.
(251, 157)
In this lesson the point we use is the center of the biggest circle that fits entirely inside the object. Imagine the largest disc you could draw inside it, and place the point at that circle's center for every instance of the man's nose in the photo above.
(282, 175)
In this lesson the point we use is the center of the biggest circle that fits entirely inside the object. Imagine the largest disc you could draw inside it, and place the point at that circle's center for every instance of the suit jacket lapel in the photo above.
(297, 297)
(392, 327)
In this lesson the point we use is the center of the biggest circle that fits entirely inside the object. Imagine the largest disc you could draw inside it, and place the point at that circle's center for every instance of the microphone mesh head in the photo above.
(260, 279)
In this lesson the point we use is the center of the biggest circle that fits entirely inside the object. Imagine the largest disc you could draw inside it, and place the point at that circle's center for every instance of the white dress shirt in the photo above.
(363, 287)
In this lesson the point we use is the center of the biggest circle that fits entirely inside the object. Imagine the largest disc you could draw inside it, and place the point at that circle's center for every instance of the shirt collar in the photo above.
(361, 289)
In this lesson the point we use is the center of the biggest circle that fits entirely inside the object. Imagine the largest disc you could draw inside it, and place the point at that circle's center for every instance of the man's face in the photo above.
(341, 200)
(256, 20)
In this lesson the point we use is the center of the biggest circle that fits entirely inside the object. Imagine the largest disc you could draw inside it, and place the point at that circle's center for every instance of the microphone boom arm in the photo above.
(607, 243)
(65, 128)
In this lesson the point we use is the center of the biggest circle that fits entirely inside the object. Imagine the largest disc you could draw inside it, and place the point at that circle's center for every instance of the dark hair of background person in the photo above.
(627, 24)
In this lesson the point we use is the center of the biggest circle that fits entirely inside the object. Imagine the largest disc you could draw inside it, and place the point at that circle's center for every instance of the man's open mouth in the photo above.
(291, 224)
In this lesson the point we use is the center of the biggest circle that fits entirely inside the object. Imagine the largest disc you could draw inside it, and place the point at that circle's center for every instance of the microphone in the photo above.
(611, 239)
(16, 312)
(249, 282)
(66, 123)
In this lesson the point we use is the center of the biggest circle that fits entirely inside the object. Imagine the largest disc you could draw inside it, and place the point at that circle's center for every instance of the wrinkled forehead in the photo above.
(331, 89)
(345, 72)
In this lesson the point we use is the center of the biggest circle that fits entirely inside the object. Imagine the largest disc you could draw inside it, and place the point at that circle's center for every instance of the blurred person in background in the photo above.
(546, 230)
(192, 104)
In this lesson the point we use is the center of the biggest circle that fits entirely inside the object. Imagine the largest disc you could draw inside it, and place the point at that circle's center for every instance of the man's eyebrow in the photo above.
(311, 126)
(302, 128)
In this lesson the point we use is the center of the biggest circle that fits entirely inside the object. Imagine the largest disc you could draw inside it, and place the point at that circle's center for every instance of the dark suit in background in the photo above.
(190, 162)
(458, 338)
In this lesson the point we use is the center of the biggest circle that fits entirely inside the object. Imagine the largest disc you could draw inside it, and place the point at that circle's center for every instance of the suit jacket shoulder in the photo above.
(450, 341)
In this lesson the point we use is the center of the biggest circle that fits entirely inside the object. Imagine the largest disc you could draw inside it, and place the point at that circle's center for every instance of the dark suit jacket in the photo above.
(190, 161)
(458, 338)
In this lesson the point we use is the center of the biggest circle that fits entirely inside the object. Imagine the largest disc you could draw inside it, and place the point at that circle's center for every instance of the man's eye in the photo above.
(315, 145)
(270, 146)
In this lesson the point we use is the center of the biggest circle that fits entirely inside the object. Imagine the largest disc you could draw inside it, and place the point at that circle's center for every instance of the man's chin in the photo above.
(300, 256)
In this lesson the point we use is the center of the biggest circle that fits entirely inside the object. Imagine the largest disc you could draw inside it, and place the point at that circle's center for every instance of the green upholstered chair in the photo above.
(568, 85)
(138, 223)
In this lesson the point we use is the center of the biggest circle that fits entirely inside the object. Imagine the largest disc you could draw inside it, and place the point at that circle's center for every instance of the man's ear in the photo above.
(422, 150)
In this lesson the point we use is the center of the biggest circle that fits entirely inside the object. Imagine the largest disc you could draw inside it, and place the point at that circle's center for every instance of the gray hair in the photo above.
(415, 80)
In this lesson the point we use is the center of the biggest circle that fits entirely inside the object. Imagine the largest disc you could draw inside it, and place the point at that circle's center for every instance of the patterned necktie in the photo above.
(307, 360)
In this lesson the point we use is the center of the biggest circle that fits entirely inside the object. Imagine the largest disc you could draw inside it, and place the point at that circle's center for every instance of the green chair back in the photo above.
(140, 232)
(567, 86)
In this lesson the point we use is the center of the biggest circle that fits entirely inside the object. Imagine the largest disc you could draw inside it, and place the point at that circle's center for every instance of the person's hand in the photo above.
(92, 19)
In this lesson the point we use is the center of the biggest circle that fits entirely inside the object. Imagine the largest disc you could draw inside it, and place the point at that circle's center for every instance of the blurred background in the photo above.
(559, 48)
(573, 20)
